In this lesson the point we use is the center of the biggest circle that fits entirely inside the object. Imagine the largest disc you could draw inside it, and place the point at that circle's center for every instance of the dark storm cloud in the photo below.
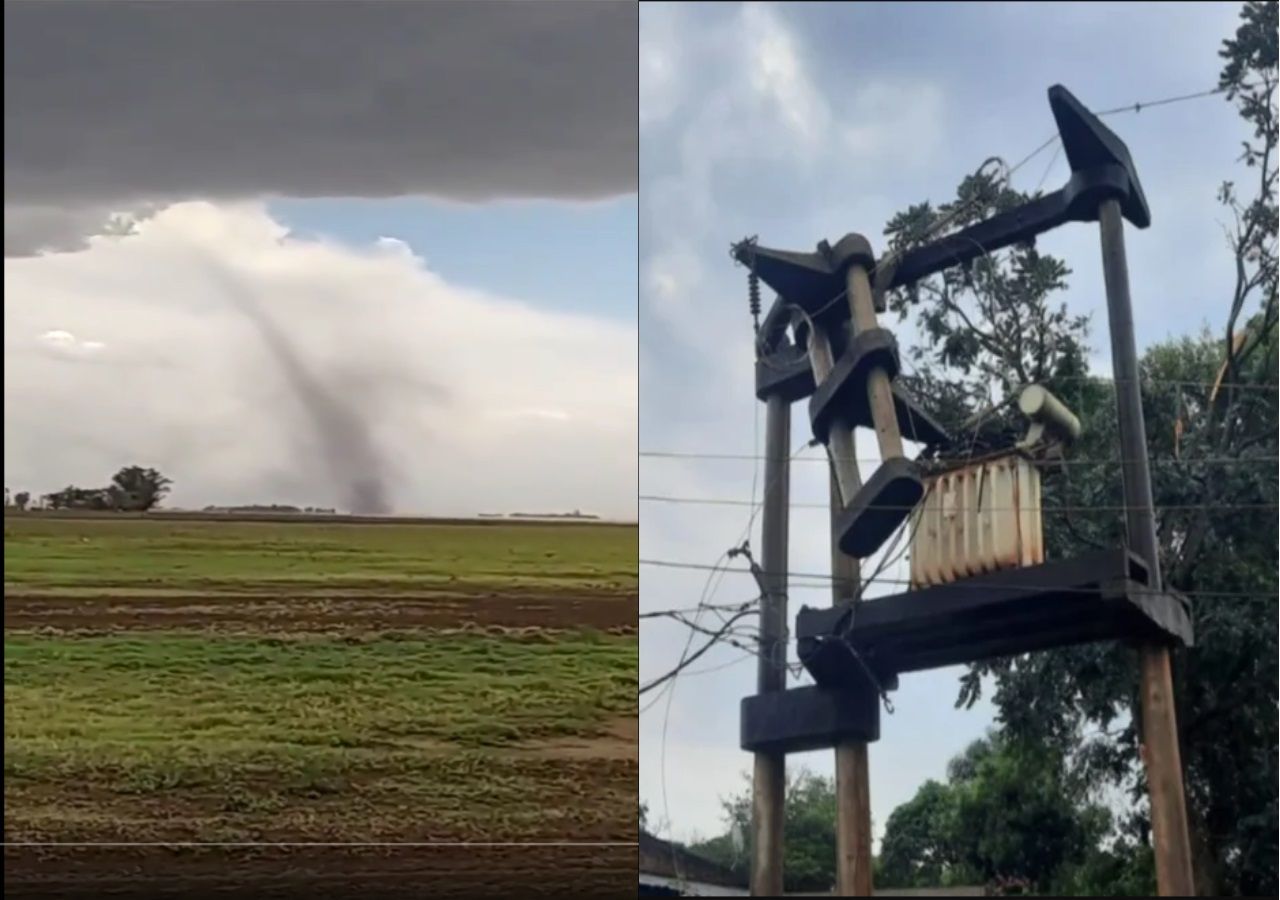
(111, 105)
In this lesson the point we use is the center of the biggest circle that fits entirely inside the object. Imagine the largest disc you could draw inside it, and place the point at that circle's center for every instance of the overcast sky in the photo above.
(395, 241)
(800, 122)
(383, 253)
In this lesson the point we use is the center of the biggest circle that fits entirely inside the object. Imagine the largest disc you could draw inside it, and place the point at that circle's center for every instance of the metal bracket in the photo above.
(1101, 168)
(843, 394)
(882, 504)
(813, 282)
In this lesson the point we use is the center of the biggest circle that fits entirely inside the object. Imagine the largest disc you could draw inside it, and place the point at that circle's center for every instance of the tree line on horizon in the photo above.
(132, 489)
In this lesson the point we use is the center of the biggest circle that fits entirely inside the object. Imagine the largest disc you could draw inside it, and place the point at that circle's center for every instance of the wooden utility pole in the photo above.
(769, 779)
(853, 779)
(1159, 733)
(853, 782)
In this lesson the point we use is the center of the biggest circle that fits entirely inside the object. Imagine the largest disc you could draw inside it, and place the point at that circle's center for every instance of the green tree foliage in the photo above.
(1211, 413)
(136, 488)
(21, 499)
(133, 488)
(810, 817)
(918, 849)
(72, 497)
(1009, 815)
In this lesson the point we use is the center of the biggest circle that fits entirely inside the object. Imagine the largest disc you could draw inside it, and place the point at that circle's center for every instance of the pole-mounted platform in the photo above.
(809, 718)
(846, 364)
(1100, 597)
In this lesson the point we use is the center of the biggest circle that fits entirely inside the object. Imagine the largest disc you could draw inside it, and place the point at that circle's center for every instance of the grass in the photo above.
(69, 554)
(241, 737)
(114, 696)
(416, 734)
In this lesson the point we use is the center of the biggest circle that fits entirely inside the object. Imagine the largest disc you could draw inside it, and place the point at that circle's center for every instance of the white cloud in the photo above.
(660, 57)
(548, 415)
(885, 112)
(64, 342)
(145, 349)
(777, 75)
(722, 135)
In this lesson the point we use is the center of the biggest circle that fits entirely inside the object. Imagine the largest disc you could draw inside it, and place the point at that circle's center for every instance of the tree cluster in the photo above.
(132, 489)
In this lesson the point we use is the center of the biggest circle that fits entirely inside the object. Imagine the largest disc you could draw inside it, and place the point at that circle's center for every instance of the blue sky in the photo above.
(800, 122)
(574, 257)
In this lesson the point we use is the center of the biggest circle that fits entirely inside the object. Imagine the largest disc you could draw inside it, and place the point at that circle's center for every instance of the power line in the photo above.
(1210, 460)
(668, 680)
(688, 611)
(1052, 139)
(693, 673)
(1181, 507)
(689, 673)
(1048, 142)
(828, 578)
(1139, 106)
(1135, 107)
(1007, 176)
(1049, 168)
(889, 262)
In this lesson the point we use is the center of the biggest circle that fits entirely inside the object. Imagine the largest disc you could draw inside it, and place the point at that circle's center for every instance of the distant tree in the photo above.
(21, 499)
(136, 488)
(72, 497)
(810, 815)
(1010, 816)
(61, 499)
(918, 850)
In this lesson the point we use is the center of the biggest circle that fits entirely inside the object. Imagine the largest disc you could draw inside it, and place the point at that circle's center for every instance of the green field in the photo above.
(70, 554)
(356, 695)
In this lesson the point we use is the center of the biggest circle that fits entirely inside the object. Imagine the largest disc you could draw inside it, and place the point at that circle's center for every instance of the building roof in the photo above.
(664, 860)
(667, 868)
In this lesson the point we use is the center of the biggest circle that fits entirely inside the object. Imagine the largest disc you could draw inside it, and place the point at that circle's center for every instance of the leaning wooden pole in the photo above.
(1174, 876)
(853, 780)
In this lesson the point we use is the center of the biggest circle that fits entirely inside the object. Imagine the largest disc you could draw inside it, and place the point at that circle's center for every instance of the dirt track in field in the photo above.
(597, 805)
(356, 612)
(316, 872)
